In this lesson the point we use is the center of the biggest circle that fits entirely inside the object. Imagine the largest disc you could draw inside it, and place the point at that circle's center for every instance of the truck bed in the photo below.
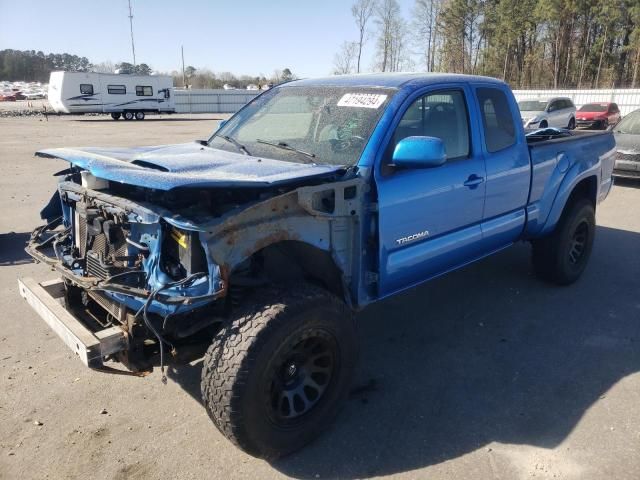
(559, 161)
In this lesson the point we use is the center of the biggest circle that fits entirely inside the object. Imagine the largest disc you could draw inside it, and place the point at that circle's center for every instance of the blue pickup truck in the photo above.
(316, 199)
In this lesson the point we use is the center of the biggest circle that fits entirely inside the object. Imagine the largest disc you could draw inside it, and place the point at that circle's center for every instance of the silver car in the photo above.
(627, 134)
(558, 112)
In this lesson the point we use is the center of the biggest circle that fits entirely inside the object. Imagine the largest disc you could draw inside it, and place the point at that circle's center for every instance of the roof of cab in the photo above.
(391, 80)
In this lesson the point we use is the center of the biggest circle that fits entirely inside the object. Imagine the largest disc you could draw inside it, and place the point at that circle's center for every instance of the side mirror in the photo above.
(419, 152)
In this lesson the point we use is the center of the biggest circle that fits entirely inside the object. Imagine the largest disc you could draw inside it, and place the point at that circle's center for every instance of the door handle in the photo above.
(473, 181)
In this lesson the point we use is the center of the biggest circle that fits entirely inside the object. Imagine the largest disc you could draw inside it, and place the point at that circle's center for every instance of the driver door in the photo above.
(429, 218)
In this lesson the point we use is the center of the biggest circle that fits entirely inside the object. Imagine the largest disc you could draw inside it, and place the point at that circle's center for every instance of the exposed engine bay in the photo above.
(158, 263)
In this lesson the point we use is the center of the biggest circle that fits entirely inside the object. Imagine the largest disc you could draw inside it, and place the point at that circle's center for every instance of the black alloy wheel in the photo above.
(300, 375)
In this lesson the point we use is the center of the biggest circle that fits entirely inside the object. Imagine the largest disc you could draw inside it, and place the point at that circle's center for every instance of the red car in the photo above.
(597, 115)
(7, 97)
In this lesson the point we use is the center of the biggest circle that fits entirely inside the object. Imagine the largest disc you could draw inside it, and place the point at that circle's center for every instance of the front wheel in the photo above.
(276, 377)
(544, 124)
(562, 256)
(572, 124)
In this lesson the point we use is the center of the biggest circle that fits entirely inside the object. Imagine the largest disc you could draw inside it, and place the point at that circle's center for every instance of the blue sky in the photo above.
(241, 36)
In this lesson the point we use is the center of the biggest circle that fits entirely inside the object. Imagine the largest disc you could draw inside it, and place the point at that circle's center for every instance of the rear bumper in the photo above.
(599, 124)
(627, 169)
(91, 347)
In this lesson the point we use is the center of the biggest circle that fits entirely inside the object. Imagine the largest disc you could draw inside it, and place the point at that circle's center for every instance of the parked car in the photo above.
(33, 95)
(597, 115)
(627, 134)
(7, 97)
(316, 199)
(558, 112)
(19, 95)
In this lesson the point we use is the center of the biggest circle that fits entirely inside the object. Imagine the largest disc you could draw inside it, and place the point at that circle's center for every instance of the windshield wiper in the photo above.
(286, 146)
(235, 143)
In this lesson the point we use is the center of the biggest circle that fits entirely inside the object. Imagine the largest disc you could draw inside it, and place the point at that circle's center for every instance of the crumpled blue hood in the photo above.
(188, 165)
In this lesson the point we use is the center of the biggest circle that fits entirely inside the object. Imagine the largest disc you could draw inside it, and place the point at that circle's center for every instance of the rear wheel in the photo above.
(128, 115)
(275, 378)
(562, 256)
(139, 115)
(115, 116)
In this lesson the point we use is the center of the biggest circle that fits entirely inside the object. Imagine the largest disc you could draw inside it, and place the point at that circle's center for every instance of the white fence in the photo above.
(230, 101)
(212, 101)
(628, 99)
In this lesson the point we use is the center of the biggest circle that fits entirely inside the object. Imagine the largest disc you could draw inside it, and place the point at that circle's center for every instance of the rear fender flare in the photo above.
(576, 173)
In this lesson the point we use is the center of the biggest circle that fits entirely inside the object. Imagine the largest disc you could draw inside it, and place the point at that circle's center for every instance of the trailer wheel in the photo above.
(276, 377)
(139, 115)
(128, 115)
(115, 116)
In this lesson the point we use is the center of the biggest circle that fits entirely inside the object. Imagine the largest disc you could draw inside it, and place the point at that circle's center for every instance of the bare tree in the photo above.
(104, 67)
(390, 25)
(362, 12)
(425, 23)
(344, 60)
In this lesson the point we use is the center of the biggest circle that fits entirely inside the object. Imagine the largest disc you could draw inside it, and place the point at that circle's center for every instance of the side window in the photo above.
(86, 89)
(497, 120)
(116, 89)
(144, 91)
(442, 115)
(553, 106)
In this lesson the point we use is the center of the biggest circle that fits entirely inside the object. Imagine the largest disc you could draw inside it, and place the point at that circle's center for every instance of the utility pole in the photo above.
(133, 48)
(184, 81)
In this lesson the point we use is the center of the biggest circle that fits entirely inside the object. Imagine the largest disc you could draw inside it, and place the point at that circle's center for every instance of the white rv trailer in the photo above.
(126, 95)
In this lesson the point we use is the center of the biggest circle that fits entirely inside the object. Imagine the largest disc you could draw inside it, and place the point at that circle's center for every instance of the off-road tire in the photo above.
(243, 361)
(552, 255)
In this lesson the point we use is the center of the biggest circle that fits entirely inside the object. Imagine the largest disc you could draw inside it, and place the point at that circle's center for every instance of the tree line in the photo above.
(32, 66)
(35, 66)
(528, 43)
(204, 78)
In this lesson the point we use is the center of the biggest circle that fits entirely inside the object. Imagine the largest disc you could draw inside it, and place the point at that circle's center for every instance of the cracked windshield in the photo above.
(306, 124)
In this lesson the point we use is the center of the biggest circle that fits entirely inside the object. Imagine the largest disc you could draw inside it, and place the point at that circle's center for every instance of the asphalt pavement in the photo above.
(486, 373)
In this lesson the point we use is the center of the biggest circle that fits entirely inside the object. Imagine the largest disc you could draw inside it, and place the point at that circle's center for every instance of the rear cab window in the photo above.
(497, 119)
(86, 89)
(144, 91)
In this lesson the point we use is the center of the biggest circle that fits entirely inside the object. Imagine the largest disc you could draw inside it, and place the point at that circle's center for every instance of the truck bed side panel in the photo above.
(557, 167)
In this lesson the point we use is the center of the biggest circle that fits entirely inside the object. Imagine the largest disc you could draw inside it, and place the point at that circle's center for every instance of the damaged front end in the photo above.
(128, 265)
